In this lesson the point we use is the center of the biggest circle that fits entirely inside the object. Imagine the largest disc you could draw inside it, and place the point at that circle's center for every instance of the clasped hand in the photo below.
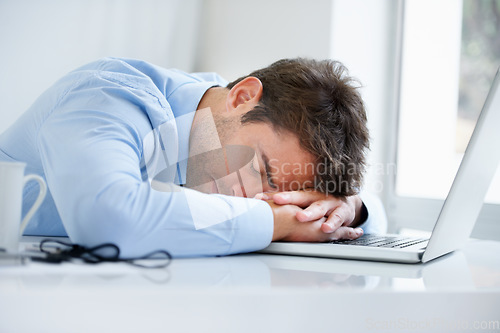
(311, 216)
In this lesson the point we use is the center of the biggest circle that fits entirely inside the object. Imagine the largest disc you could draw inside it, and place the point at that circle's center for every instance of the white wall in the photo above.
(42, 40)
(240, 36)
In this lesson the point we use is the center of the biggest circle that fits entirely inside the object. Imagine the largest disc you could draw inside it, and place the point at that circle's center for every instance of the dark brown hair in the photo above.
(320, 102)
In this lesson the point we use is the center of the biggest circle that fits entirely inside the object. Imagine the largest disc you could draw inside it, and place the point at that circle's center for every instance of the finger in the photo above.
(315, 211)
(265, 195)
(261, 196)
(346, 233)
(334, 222)
(344, 214)
(298, 198)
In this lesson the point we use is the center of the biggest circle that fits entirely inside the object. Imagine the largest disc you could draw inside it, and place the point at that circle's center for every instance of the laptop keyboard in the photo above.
(383, 241)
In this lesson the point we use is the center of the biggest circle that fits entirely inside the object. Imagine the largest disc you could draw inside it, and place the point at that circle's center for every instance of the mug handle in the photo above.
(38, 201)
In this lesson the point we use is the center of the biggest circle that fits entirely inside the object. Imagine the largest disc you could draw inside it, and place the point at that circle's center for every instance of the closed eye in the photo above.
(270, 180)
(269, 175)
(255, 167)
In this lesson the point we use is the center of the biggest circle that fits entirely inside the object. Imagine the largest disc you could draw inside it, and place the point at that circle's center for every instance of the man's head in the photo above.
(304, 119)
(319, 102)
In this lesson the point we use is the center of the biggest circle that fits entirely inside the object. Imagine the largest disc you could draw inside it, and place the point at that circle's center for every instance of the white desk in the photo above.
(257, 293)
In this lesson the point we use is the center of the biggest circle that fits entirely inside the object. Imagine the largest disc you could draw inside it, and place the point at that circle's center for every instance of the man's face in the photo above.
(253, 158)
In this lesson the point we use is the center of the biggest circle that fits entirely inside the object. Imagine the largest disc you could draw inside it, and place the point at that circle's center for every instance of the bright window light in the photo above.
(451, 52)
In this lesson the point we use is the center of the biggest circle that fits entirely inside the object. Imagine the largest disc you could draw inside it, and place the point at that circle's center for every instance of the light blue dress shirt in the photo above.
(86, 137)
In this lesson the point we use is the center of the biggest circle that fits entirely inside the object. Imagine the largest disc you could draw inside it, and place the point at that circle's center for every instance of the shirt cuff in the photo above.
(254, 230)
(376, 223)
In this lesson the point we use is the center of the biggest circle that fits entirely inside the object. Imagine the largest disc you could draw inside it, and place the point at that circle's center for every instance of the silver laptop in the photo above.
(458, 214)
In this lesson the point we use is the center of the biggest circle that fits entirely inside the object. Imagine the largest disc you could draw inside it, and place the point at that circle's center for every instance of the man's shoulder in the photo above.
(142, 74)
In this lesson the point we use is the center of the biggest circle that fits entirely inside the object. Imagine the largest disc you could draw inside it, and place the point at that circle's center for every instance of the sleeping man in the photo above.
(151, 158)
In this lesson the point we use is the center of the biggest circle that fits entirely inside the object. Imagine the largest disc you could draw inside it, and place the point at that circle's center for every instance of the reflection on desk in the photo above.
(472, 269)
(300, 291)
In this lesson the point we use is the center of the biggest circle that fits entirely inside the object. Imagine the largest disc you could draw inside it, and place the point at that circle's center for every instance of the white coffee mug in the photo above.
(12, 182)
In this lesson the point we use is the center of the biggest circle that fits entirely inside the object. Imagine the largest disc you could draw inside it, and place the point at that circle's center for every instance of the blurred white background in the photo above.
(42, 40)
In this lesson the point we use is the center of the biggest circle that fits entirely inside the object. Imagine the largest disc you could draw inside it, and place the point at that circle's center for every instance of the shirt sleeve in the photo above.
(91, 149)
(376, 222)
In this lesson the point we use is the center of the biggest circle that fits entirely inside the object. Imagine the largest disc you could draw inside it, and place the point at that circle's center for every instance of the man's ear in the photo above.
(245, 94)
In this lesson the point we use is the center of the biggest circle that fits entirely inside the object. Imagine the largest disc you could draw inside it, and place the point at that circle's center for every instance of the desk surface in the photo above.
(248, 292)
